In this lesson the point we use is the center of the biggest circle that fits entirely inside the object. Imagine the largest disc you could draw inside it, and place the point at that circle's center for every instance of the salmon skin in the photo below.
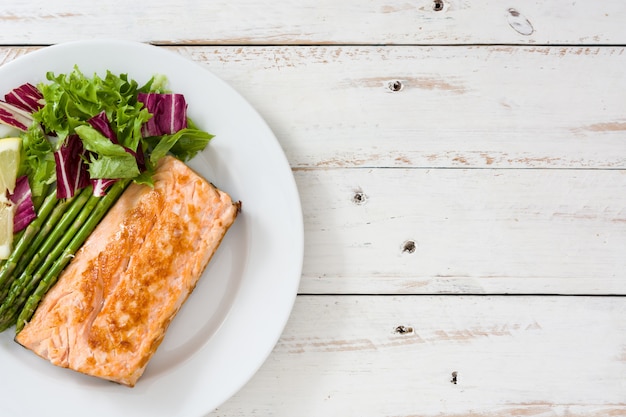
(111, 306)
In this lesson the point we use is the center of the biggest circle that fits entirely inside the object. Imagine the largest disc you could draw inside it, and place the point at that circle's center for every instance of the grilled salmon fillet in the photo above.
(111, 306)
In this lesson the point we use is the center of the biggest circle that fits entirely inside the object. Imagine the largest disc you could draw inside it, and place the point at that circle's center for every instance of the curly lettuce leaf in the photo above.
(72, 99)
(37, 160)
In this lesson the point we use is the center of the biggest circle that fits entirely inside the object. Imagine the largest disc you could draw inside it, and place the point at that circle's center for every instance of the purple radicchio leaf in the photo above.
(14, 116)
(140, 157)
(100, 122)
(24, 208)
(101, 185)
(169, 113)
(27, 97)
(71, 169)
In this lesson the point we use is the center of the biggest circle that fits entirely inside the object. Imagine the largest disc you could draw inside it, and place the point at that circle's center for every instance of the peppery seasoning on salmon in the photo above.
(112, 305)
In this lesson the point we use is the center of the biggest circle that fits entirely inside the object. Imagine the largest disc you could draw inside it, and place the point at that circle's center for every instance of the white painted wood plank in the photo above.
(510, 107)
(315, 21)
(474, 231)
(513, 356)
(505, 107)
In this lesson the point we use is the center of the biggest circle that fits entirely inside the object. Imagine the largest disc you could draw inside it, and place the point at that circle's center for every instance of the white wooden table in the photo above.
(462, 169)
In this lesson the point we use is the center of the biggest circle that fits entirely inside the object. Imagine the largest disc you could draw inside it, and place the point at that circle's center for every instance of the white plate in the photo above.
(233, 319)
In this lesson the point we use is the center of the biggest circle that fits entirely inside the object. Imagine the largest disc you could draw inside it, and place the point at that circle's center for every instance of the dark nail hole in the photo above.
(359, 197)
(395, 85)
(513, 12)
(438, 5)
(403, 330)
(454, 377)
(409, 246)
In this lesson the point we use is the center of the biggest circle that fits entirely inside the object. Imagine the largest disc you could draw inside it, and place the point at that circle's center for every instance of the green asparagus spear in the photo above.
(70, 249)
(43, 254)
(51, 256)
(54, 218)
(28, 282)
(39, 200)
(25, 243)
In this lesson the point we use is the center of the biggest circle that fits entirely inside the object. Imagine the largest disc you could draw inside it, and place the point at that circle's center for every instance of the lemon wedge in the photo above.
(9, 163)
(6, 228)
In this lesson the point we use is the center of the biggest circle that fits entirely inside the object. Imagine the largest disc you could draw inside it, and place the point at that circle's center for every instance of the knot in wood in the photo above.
(438, 5)
(519, 23)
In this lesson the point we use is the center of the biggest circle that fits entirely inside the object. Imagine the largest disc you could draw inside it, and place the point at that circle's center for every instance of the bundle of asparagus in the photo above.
(46, 247)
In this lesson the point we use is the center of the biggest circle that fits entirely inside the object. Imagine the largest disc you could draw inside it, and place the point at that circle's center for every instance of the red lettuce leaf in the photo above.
(71, 169)
(169, 113)
(26, 97)
(100, 122)
(141, 158)
(14, 116)
(24, 207)
(101, 185)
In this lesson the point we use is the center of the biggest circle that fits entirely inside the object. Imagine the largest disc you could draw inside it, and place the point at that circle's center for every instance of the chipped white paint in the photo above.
(499, 106)
(485, 106)
(489, 165)
(312, 21)
(475, 231)
(513, 356)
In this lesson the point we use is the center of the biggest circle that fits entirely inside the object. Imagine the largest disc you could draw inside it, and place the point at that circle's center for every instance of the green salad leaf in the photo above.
(37, 160)
(112, 161)
(73, 99)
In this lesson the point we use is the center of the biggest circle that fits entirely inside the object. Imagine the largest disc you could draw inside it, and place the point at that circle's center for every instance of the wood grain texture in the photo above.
(395, 356)
(463, 231)
(457, 107)
(490, 107)
(315, 22)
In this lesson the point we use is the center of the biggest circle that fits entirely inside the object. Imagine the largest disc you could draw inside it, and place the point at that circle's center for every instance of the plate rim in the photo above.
(298, 231)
